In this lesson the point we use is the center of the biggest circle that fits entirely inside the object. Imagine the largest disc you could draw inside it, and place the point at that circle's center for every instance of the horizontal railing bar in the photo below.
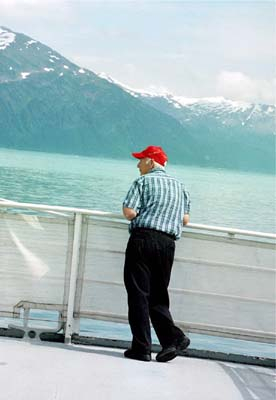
(252, 336)
(229, 329)
(4, 314)
(96, 213)
(13, 203)
(190, 291)
(232, 231)
(44, 207)
(220, 264)
(199, 261)
(53, 321)
(16, 314)
(221, 295)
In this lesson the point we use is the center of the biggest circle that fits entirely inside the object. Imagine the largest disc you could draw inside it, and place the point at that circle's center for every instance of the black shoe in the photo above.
(134, 355)
(182, 343)
(169, 353)
(166, 354)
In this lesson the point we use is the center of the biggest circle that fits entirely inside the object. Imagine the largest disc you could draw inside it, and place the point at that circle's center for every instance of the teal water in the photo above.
(243, 200)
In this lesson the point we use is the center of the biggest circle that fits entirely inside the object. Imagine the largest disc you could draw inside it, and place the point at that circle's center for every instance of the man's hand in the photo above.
(129, 213)
(186, 219)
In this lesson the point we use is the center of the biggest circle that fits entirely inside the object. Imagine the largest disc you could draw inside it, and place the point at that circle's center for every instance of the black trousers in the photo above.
(147, 271)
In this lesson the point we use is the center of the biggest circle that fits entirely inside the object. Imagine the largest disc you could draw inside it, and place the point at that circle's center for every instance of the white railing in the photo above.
(61, 209)
(221, 285)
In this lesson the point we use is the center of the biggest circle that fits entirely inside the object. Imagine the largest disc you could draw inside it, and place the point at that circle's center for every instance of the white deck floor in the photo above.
(44, 371)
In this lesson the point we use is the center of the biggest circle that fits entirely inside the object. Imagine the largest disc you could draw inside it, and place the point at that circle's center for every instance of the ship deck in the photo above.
(52, 371)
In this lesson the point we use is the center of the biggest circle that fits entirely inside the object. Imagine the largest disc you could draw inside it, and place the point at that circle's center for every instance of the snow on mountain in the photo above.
(225, 111)
(6, 38)
(181, 101)
(24, 74)
(38, 58)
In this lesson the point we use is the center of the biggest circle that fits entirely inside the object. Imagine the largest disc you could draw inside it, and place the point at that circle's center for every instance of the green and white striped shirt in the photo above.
(160, 202)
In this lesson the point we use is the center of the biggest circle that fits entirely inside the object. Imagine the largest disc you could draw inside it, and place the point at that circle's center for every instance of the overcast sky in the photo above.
(189, 48)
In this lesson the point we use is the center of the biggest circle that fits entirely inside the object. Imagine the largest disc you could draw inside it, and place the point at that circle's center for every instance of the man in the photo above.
(157, 206)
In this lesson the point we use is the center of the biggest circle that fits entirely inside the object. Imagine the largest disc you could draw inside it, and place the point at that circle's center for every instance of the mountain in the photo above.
(229, 132)
(48, 103)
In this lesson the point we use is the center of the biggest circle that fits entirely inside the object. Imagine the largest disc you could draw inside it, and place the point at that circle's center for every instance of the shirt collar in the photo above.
(157, 169)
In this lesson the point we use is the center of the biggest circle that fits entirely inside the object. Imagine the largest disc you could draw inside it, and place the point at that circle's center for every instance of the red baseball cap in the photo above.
(156, 153)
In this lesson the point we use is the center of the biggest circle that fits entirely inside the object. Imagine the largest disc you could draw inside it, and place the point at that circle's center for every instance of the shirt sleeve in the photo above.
(187, 201)
(133, 197)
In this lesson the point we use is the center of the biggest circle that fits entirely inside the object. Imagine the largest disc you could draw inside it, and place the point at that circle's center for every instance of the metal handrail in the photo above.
(97, 213)
(233, 231)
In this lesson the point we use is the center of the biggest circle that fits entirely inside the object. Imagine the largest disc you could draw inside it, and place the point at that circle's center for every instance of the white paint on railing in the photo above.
(69, 328)
(96, 213)
(232, 231)
(17, 204)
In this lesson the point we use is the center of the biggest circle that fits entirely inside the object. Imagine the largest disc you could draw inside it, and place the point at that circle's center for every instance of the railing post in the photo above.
(69, 327)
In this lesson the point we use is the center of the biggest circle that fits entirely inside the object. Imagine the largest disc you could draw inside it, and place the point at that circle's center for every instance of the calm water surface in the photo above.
(220, 197)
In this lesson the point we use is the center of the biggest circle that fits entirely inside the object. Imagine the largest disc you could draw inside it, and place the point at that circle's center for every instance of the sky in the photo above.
(198, 48)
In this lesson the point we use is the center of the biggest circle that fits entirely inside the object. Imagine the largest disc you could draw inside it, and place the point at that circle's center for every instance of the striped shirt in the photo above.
(160, 202)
